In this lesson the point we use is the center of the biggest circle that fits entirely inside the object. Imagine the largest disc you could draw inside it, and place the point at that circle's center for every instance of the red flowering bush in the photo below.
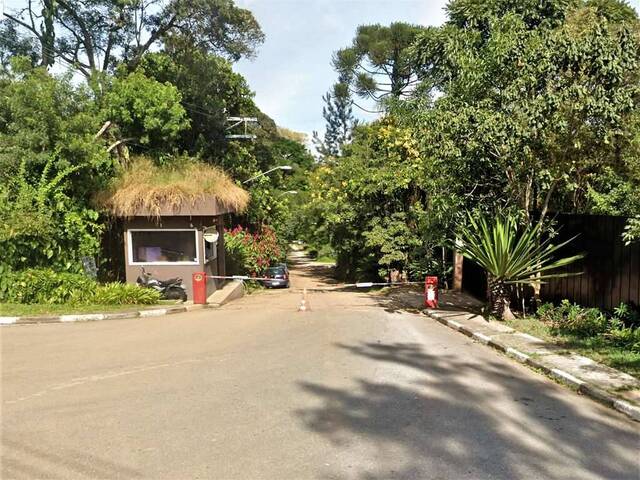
(251, 253)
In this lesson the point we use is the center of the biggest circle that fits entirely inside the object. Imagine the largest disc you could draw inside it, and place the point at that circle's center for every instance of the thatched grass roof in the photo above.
(147, 187)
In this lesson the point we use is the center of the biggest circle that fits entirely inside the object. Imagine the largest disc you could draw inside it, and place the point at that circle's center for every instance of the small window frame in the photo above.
(130, 245)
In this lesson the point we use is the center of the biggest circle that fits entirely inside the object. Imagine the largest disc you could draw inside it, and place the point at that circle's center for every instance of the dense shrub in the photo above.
(43, 286)
(622, 329)
(124, 294)
(572, 319)
(50, 167)
(625, 337)
(48, 286)
(251, 253)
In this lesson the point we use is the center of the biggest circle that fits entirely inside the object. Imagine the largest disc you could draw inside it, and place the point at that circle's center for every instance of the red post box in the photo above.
(431, 292)
(199, 282)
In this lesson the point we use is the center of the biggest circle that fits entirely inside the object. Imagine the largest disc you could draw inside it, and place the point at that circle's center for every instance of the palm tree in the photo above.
(510, 255)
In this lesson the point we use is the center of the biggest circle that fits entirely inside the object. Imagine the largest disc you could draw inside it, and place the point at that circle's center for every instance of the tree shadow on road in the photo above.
(447, 427)
(411, 298)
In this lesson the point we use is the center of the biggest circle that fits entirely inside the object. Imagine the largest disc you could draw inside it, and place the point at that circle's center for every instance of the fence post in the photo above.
(458, 260)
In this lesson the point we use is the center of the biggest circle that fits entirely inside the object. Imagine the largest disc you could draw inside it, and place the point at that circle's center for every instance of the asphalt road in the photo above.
(353, 389)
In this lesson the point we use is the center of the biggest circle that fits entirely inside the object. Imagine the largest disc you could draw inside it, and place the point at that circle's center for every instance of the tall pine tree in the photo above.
(338, 114)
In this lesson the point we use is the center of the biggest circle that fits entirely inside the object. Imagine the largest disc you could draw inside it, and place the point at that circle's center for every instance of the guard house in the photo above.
(173, 219)
(178, 243)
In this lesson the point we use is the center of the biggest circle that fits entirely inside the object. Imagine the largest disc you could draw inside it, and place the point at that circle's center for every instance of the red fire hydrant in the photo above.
(431, 292)
(199, 282)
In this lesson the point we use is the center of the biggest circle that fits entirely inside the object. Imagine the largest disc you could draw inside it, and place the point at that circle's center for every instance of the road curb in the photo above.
(582, 387)
(95, 317)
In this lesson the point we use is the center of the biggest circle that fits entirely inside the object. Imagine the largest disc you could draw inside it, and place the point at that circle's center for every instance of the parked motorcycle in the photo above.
(172, 289)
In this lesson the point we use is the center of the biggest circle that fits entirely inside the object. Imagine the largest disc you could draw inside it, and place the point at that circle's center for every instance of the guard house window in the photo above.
(163, 246)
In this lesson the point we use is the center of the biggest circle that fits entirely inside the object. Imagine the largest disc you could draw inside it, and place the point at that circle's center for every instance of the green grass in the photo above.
(28, 310)
(325, 259)
(596, 348)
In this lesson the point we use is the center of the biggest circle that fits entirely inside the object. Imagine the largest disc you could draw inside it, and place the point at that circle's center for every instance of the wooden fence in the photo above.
(610, 270)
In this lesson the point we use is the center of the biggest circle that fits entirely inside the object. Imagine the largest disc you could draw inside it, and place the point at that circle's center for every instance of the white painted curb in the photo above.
(567, 377)
(481, 337)
(627, 409)
(517, 354)
(82, 318)
(153, 313)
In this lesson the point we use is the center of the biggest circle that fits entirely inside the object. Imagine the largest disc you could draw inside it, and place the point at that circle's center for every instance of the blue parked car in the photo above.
(277, 276)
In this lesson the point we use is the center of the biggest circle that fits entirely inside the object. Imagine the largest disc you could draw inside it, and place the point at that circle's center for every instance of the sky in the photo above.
(293, 70)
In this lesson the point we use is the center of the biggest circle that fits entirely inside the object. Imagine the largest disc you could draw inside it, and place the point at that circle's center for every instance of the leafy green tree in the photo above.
(13, 44)
(47, 119)
(522, 107)
(369, 205)
(377, 64)
(393, 238)
(147, 112)
(340, 122)
(51, 165)
(632, 230)
(478, 15)
(40, 224)
(210, 92)
(169, 95)
(543, 96)
(93, 36)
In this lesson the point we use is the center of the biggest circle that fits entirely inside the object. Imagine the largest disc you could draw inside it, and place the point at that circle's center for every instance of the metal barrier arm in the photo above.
(377, 284)
(239, 277)
(361, 285)
(346, 285)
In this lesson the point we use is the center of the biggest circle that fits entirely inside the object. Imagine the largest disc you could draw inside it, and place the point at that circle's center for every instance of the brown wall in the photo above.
(610, 269)
(163, 272)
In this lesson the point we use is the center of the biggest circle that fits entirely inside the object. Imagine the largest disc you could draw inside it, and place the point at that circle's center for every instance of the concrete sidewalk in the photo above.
(599, 382)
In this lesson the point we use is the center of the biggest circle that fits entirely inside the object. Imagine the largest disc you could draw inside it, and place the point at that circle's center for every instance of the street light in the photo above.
(289, 192)
(279, 167)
